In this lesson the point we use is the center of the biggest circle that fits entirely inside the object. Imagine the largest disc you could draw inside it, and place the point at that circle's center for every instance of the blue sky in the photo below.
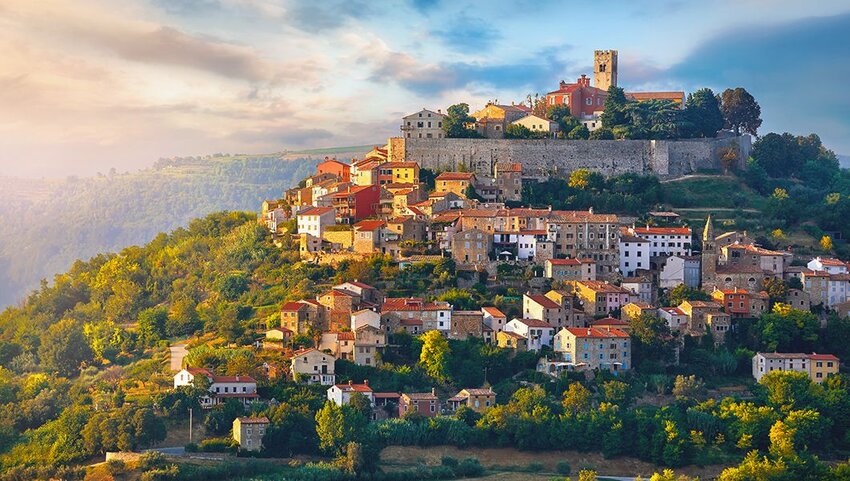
(91, 84)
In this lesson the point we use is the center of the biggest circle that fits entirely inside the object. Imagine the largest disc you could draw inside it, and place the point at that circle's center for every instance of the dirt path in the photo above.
(178, 352)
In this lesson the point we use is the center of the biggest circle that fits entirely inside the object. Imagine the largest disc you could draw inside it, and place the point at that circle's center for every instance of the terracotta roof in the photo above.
(293, 306)
(386, 395)
(508, 167)
(235, 379)
(304, 351)
(477, 392)
(595, 333)
(822, 357)
(535, 323)
(455, 176)
(345, 336)
(832, 262)
(600, 286)
(641, 96)
(410, 322)
(663, 230)
(316, 211)
(412, 304)
(543, 301)
(369, 225)
(332, 161)
(512, 334)
(609, 321)
(427, 396)
(673, 310)
(493, 311)
(571, 262)
(351, 387)
(400, 165)
(250, 420)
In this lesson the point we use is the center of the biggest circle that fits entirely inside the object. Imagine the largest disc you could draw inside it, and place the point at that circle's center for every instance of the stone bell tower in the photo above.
(604, 69)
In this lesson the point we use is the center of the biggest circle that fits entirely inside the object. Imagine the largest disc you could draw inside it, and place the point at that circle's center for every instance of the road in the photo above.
(171, 451)
(178, 352)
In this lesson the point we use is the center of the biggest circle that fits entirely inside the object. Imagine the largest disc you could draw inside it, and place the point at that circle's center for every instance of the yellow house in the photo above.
(454, 182)
(635, 309)
(821, 366)
(401, 172)
(476, 399)
(511, 340)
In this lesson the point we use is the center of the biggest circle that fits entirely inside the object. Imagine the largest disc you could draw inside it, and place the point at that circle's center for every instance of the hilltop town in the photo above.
(447, 295)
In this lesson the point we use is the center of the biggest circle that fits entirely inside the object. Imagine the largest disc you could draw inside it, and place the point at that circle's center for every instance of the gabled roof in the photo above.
(595, 332)
(609, 321)
(536, 323)
(293, 306)
(369, 225)
(662, 230)
(543, 301)
(493, 311)
(351, 387)
(316, 211)
(456, 176)
(673, 311)
(253, 420)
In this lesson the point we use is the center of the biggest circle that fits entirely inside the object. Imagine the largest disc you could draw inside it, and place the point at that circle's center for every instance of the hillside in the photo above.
(47, 224)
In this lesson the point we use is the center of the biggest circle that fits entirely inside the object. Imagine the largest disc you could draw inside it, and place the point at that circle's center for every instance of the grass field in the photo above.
(718, 192)
(508, 464)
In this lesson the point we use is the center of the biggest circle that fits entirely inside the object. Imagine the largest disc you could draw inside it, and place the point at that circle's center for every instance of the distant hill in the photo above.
(48, 224)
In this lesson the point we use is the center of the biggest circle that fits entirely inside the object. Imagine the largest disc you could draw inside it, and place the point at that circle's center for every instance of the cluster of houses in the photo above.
(585, 103)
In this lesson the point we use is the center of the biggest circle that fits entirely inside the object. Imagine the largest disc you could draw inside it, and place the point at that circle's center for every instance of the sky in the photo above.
(89, 85)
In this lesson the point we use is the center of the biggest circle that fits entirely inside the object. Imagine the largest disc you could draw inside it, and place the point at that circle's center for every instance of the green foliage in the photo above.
(602, 133)
(63, 348)
(740, 111)
(796, 331)
(702, 110)
(456, 121)
(682, 293)
(627, 193)
(578, 133)
(435, 351)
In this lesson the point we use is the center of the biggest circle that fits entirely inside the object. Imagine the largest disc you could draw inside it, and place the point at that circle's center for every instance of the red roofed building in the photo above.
(334, 167)
(300, 316)
(341, 394)
(222, 388)
(454, 182)
(665, 241)
(433, 315)
(595, 348)
(538, 306)
(735, 302)
(357, 203)
(586, 103)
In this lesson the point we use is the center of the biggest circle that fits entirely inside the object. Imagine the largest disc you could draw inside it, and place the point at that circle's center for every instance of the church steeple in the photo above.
(708, 231)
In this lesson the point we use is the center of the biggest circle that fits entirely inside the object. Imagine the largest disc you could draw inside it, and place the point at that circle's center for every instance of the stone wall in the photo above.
(556, 157)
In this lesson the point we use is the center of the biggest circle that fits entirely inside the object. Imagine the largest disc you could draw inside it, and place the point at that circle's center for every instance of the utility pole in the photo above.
(190, 425)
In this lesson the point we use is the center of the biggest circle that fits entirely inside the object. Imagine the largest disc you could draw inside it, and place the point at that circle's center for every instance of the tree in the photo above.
(587, 475)
(688, 387)
(337, 426)
(602, 133)
(776, 289)
(152, 323)
(702, 110)
(64, 348)
(790, 331)
(826, 243)
(233, 286)
(579, 179)
(650, 337)
(682, 293)
(561, 114)
(576, 399)
(456, 121)
(434, 355)
(740, 111)
(614, 109)
(579, 132)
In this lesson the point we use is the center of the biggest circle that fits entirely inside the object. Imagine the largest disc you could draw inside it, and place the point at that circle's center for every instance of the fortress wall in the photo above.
(555, 157)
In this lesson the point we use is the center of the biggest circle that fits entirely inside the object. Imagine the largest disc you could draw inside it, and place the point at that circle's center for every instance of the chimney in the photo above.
(563, 84)
(590, 210)
(433, 391)
(365, 382)
(350, 382)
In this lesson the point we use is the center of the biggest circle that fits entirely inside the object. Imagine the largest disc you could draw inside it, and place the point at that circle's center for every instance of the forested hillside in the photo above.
(49, 224)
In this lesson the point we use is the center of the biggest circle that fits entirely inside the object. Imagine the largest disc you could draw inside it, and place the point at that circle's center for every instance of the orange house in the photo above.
(736, 302)
(334, 167)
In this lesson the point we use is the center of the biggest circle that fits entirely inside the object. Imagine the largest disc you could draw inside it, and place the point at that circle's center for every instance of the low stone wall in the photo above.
(556, 157)
(125, 456)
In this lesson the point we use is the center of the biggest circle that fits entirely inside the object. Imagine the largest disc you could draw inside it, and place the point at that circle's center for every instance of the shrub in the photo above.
(115, 466)
(191, 448)
(151, 460)
(469, 468)
(442, 472)
(217, 445)
(534, 467)
(449, 461)
(564, 468)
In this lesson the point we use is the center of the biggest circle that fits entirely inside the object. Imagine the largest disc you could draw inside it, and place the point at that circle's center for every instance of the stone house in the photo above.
(592, 348)
(312, 366)
(472, 247)
(425, 403)
(467, 324)
(512, 340)
(479, 400)
(248, 432)
(455, 182)
(570, 269)
(369, 343)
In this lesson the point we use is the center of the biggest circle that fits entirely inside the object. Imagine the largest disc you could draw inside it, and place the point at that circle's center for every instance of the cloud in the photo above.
(425, 6)
(314, 16)
(541, 68)
(797, 71)
(468, 35)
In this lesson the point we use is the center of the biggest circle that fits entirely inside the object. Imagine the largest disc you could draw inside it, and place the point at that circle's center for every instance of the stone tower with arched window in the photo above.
(709, 255)
(604, 69)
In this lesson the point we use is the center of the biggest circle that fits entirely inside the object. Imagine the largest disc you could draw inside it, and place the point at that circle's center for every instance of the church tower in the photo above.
(604, 69)
(709, 255)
